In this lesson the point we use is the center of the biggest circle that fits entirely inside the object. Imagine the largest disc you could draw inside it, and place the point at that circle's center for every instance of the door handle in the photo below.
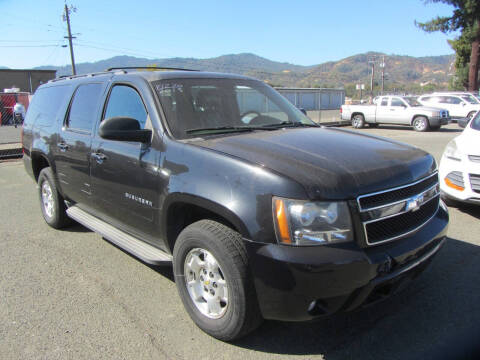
(99, 157)
(392, 109)
(62, 146)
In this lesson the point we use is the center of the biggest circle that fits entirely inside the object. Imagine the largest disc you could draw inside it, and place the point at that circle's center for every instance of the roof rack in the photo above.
(69, 77)
(148, 68)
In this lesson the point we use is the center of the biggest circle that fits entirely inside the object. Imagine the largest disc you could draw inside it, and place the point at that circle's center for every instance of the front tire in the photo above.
(471, 114)
(212, 277)
(51, 202)
(420, 123)
(358, 121)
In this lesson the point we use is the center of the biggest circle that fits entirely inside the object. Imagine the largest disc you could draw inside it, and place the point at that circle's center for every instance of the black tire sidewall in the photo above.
(56, 220)
(234, 316)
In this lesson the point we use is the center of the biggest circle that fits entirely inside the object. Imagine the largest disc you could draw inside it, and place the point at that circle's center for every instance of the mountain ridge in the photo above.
(402, 71)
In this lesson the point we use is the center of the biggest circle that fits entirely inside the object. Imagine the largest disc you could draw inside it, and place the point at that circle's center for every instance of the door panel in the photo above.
(74, 141)
(125, 183)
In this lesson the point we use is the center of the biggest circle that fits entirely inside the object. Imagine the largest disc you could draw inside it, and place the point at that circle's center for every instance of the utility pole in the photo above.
(382, 65)
(371, 61)
(66, 17)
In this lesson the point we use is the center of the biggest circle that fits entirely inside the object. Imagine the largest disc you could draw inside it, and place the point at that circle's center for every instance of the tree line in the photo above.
(466, 19)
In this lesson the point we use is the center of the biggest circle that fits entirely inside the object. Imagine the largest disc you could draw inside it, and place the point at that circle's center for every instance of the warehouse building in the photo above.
(312, 99)
(25, 80)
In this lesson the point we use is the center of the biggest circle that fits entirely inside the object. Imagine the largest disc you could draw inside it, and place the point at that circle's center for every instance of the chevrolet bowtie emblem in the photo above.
(414, 203)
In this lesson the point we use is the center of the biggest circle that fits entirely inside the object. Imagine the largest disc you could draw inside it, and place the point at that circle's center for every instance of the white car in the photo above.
(458, 106)
(459, 170)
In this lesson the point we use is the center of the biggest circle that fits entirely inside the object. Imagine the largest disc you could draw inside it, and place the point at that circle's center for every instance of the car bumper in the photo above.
(304, 283)
(438, 121)
(468, 170)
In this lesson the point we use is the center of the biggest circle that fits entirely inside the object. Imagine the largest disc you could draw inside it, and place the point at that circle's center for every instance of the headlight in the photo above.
(452, 152)
(300, 222)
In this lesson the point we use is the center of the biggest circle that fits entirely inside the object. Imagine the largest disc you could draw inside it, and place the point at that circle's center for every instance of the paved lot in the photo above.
(9, 134)
(71, 295)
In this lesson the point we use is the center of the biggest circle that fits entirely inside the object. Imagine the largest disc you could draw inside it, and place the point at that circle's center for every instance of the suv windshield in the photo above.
(412, 101)
(470, 99)
(196, 107)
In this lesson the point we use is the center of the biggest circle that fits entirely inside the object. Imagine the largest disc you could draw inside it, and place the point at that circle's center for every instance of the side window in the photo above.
(454, 100)
(397, 102)
(45, 105)
(384, 102)
(125, 101)
(84, 107)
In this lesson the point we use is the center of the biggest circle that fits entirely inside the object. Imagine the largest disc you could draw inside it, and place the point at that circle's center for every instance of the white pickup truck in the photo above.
(402, 110)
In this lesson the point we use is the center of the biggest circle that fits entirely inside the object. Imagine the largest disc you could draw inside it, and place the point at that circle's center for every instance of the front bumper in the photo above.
(466, 168)
(437, 121)
(304, 283)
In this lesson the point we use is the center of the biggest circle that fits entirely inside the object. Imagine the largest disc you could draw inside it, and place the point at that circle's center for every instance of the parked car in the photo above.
(402, 110)
(468, 97)
(460, 165)
(262, 213)
(459, 106)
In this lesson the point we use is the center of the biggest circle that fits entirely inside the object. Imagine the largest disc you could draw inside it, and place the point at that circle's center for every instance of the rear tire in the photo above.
(210, 264)
(51, 202)
(358, 121)
(420, 123)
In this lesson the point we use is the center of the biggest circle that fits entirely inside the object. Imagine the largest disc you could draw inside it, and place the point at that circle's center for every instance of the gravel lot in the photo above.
(71, 295)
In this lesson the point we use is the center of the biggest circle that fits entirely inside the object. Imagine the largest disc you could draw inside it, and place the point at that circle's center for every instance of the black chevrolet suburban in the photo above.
(262, 213)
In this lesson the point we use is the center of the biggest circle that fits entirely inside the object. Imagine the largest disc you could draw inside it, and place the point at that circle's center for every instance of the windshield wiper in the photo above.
(220, 129)
(289, 124)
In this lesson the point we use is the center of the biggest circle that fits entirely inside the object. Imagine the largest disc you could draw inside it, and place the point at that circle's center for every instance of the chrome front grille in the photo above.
(391, 214)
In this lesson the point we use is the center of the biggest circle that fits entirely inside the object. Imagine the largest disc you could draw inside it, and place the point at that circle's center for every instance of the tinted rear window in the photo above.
(45, 105)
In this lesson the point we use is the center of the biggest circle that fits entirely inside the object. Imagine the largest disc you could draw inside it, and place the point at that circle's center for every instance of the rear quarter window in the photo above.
(46, 104)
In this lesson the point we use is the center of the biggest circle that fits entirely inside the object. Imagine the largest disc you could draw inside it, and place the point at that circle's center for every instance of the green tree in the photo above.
(463, 48)
(466, 18)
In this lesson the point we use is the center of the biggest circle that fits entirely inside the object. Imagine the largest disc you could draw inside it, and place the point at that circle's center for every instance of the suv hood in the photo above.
(330, 163)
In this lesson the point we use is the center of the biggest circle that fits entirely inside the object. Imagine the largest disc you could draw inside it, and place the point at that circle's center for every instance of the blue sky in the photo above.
(300, 32)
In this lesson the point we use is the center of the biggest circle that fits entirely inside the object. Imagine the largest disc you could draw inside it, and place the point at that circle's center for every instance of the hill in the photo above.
(403, 73)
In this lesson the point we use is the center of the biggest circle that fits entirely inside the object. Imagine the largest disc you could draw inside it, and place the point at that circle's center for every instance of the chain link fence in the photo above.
(13, 107)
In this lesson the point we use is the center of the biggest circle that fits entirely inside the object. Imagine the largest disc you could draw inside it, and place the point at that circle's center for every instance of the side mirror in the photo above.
(124, 129)
(463, 122)
(464, 104)
(303, 111)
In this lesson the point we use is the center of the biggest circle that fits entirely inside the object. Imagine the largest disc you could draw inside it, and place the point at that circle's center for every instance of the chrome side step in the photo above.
(140, 249)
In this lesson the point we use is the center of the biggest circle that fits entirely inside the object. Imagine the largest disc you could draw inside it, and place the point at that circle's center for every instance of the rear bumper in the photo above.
(304, 283)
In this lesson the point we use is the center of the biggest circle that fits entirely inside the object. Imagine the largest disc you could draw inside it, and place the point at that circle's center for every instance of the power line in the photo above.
(114, 50)
(104, 46)
(27, 46)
